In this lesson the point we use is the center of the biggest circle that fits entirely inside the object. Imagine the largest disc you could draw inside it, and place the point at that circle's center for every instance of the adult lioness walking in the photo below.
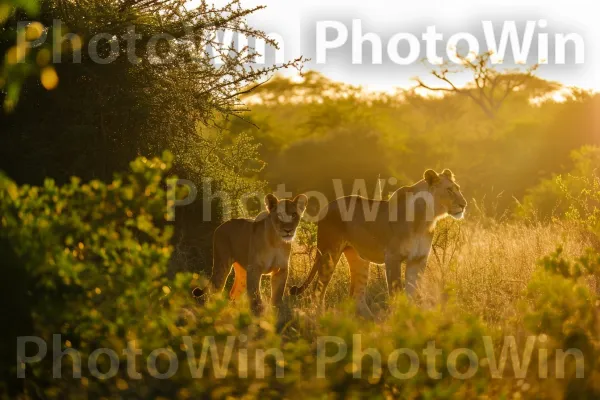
(383, 231)
(255, 248)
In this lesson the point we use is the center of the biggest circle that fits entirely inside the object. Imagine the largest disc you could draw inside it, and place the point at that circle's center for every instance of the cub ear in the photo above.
(301, 201)
(448, 174)
(431, 177)
(271, 202)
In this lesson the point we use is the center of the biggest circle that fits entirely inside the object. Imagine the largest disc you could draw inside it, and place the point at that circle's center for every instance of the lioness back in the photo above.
(394, 231)
(350, 219)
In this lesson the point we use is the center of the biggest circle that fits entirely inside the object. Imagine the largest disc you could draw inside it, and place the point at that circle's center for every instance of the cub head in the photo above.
(446, 193)
(285, 214)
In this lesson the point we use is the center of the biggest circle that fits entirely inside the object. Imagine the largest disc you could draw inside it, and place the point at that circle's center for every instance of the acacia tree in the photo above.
(489, 87)
(147, 99)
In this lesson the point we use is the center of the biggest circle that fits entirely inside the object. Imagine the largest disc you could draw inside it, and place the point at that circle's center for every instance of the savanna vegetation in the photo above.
(87, 253)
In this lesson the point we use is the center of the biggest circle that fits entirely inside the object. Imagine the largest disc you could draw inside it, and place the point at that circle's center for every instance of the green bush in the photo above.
(563, 311)
(574, 196)
(89, 261)
(95, 263)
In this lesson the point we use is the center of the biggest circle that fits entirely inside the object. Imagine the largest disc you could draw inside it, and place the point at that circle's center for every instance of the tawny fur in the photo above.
(255, 248)
(382, 232)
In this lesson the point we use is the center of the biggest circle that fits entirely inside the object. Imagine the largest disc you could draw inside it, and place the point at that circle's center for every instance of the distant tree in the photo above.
(313, 87)
(489, 88)
(315, 124)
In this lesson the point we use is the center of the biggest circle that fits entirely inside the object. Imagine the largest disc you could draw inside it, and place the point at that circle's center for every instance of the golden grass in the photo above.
(484, 265)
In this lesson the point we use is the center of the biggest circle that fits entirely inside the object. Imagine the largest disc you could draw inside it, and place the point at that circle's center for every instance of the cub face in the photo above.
(285, 214)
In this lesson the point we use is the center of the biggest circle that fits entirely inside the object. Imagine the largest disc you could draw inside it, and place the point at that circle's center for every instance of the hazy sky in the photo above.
(296, 22)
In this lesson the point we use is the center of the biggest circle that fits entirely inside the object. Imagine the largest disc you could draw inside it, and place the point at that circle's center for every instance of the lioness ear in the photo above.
(431, 176)
(271, 202)
(301, 200)
(448, 174)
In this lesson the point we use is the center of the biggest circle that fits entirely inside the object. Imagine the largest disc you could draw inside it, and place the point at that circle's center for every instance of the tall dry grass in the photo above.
(482, 263)
(493, 262)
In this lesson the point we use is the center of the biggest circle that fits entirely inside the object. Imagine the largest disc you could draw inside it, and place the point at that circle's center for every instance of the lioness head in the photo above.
(447, 195)
(285, 214)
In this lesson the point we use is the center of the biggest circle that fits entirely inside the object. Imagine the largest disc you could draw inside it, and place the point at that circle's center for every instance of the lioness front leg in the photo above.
(359, 276)
(239, 283)
(393, 274)
(414, 271)
(254, 276)
(278, 282)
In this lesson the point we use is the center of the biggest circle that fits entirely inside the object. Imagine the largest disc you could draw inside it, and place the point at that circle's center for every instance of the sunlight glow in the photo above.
(294, 21)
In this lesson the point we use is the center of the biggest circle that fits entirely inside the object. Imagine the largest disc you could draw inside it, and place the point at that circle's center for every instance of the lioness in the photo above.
(255, 248)
(383, 231)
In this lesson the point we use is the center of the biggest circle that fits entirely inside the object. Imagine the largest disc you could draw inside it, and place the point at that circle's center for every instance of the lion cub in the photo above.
(256, 248)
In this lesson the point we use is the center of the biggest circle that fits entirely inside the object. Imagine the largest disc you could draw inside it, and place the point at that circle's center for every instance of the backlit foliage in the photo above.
(90, 262)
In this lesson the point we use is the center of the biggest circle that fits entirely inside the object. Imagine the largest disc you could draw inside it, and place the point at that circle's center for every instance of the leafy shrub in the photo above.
(17, 64)
(408, 327)
(89, 261)
(563, 311)
(95, 262)
(575, 196)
